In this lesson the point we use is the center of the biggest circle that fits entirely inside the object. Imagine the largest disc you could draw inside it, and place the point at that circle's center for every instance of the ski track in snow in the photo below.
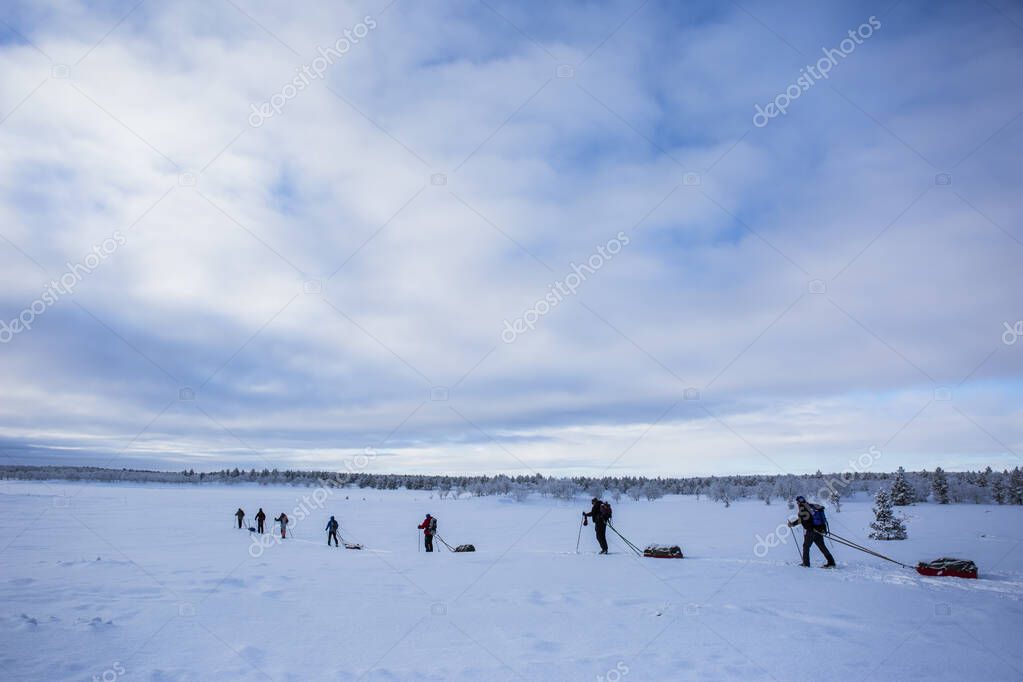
(153, 583)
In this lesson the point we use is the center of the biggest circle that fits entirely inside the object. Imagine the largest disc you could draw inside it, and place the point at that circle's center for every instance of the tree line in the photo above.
(905, 487)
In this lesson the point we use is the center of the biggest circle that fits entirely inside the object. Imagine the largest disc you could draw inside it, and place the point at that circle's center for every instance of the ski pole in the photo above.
(795, 543)
(579, 537)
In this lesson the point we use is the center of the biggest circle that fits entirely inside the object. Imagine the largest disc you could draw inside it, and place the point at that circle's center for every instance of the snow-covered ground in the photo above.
(153, 583)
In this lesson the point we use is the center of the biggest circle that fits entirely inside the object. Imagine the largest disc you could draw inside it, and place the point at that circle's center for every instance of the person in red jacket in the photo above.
(429, 528)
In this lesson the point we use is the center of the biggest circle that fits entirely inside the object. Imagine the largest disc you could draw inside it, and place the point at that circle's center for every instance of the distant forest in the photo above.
(906, 487)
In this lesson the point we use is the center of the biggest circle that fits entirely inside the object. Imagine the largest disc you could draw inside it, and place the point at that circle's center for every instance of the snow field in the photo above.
(134, 582)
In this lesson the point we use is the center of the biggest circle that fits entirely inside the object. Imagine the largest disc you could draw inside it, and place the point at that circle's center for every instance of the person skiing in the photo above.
(332, 531)
(813, 532)
(429, 528)
(283, 520)
(241, 516)
(600, 519)
(260, 518)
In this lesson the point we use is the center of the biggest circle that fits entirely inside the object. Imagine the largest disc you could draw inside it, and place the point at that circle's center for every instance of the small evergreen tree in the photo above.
(902, 492)
(886, 526)
(721, 492)
(998, 491)
(1015, 488)
(939, 486)
(985, 477)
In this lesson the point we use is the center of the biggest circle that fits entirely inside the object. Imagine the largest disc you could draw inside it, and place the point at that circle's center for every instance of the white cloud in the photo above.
(537, 174)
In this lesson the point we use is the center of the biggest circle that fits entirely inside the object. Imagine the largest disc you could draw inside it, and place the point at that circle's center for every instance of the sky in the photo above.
(579, 238)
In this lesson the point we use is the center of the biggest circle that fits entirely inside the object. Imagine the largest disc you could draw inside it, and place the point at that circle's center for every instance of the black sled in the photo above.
(663, 552)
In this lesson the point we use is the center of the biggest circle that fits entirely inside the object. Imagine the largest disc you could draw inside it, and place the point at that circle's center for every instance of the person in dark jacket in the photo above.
(283, 520)
(260, 519)
(241, 516)
(812, 535)
(599, 523)
(429, 528)
(332, 531)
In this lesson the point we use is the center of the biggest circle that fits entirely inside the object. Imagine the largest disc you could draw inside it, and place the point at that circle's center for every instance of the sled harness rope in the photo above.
(853, 545)
(631, 546)
(450, 548)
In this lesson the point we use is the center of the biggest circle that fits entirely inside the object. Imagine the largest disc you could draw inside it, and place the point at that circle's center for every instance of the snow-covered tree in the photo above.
(902, 492)
(939, 486)
(886, 526)
(984, 479)
(720, 491)
(1015, 487)
(998, 491)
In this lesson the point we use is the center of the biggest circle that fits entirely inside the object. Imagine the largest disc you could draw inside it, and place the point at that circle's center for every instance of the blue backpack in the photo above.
(817, 516)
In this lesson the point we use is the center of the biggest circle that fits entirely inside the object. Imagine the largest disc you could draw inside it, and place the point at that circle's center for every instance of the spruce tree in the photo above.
(1015, 491)
(902, 492)
(886, 526)
(998, 491)
(985, 477)
(939, 486)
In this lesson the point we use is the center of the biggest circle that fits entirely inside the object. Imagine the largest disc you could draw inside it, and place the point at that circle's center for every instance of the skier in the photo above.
(429, 528)
(283, 520)
(813, 533)
(600, 519)
(241, 516)
(331, 531)
(260, 518)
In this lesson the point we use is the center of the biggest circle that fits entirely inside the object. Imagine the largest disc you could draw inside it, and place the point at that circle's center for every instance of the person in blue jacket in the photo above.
(331, 529)
(813, 534)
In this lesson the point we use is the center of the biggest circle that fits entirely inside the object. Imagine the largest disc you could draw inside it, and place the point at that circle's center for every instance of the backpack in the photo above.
(817, 516)
(605, 510)
(433, 525)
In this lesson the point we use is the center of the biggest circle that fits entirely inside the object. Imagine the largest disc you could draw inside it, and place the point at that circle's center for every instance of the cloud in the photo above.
(315, 279)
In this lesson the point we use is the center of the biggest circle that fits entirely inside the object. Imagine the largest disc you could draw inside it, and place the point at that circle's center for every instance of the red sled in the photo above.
(663, 552)
(955, 568)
